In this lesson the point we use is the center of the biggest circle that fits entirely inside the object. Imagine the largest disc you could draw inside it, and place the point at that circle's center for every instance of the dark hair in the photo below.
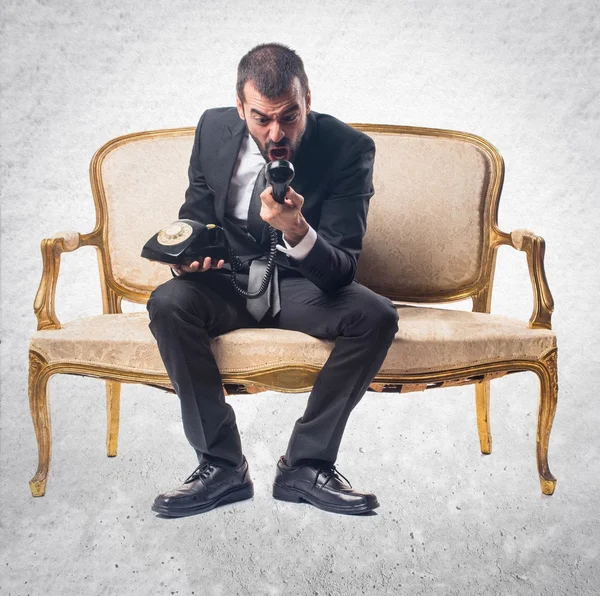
(272, 68)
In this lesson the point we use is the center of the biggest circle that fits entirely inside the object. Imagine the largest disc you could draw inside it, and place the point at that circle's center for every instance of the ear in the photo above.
(240, 107)
(308, 98)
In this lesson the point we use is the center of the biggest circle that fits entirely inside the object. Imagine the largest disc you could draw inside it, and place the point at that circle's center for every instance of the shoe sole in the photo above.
(294, 495)
(240, 493)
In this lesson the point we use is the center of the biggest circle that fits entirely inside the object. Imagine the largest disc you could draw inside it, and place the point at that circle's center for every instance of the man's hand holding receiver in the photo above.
(287, 216)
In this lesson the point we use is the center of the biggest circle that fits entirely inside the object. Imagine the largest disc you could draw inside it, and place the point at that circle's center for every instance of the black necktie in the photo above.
(255, 224)
(269, 301)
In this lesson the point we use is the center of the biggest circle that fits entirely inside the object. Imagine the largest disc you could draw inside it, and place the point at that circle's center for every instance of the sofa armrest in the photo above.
(543, 303)
(52, 248)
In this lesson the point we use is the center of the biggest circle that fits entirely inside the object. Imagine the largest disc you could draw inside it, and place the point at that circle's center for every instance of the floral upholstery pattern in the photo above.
(429, 339)
(426, 221)
(144, 185)
(426, 225)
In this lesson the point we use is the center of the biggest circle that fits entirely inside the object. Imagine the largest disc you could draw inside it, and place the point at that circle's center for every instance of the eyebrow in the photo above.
(290, 109)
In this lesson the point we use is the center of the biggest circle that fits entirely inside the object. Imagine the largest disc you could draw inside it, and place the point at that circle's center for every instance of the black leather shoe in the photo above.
(207, 487)
(322, 486)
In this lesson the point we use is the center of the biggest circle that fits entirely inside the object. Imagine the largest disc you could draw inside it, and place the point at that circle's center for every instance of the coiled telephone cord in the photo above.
(236, 265)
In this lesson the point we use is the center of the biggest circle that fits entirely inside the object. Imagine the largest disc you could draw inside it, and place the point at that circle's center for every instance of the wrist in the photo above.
(296, 234)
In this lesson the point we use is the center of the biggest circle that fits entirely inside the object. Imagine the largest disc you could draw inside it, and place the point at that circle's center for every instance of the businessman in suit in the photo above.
(320, 227)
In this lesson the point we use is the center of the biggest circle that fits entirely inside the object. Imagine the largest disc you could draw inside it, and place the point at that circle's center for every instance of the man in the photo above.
(320, 225)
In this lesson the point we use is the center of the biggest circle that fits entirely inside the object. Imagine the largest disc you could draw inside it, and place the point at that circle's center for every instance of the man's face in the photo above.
(276, 125)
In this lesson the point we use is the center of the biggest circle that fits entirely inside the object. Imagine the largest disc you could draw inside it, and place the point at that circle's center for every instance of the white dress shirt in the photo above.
(247, 166)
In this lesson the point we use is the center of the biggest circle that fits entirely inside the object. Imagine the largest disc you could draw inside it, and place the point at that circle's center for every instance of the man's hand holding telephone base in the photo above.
(192, 247)
(199, 265)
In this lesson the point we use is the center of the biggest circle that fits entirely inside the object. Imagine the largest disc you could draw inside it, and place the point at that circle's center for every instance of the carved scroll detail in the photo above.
(543, 303)
(547, 408)
(40, 414)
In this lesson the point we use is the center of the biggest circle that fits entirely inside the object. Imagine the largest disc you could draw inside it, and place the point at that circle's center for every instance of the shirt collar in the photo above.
(252, 146)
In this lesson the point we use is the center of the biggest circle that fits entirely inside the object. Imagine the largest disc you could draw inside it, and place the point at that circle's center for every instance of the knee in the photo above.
(167, 300)
(377, 317)
(158, 301)
(383, 317)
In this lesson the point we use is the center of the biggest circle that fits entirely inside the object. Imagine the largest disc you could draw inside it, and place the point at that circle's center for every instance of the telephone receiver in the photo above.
(279, 174)
(185, 240)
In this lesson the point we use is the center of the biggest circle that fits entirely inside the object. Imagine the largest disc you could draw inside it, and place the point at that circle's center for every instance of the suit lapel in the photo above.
(229, 148)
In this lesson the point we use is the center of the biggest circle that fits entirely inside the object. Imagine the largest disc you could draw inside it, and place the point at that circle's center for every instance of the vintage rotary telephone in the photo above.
(186, 240)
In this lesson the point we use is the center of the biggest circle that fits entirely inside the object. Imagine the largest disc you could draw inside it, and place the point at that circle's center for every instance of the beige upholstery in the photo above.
(428, 339)
(426, 220)
(432, 236)
(426, 227)
(144, 184)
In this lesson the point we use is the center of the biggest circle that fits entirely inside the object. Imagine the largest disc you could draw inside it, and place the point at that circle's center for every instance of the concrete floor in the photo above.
(451, 521)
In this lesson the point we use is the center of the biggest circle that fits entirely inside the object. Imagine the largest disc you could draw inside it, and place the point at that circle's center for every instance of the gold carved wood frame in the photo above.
(300, 378)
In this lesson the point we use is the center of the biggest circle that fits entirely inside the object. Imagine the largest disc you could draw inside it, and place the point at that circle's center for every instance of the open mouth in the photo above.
(279, 153)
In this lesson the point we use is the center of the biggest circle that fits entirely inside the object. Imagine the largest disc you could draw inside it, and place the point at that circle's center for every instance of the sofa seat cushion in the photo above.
(429, 339)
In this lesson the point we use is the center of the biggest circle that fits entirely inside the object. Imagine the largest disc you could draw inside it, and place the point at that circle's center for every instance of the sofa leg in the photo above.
(113, 409)
(548, 399)
(482, 403)
(40, 414)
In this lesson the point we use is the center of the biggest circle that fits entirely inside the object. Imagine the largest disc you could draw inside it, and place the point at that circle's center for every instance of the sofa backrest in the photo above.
(429, 227)
(139, 183)
(432, 216)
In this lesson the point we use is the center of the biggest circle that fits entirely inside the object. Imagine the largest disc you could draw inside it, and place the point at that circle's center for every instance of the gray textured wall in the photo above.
(525, 76)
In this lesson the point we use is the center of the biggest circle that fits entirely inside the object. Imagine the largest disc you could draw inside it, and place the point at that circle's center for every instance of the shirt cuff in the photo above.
(301, 250)
(175, 273)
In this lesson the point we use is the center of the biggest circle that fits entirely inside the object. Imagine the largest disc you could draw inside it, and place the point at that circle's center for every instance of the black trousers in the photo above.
(186, 312)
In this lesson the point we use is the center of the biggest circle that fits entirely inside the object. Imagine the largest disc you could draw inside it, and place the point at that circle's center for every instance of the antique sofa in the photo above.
(432, 238)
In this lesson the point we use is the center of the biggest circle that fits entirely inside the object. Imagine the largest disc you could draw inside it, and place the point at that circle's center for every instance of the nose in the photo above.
(276, 132)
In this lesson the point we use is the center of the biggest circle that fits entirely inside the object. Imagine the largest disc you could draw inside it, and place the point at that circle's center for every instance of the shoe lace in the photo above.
(202, 471)
(330, 471)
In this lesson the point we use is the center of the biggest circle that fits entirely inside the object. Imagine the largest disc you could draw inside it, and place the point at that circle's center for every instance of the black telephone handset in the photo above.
(279, 174)
(185, 240)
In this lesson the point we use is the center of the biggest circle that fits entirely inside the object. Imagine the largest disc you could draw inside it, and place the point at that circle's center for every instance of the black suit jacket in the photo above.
(334, 170)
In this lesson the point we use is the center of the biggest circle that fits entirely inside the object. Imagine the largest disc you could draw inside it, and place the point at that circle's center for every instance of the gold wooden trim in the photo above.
(52, 249)
(482, 300)
(548, 375)
(482, 408)
(113, 410)
(299, 379)
(543, 303)
(39, 373)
